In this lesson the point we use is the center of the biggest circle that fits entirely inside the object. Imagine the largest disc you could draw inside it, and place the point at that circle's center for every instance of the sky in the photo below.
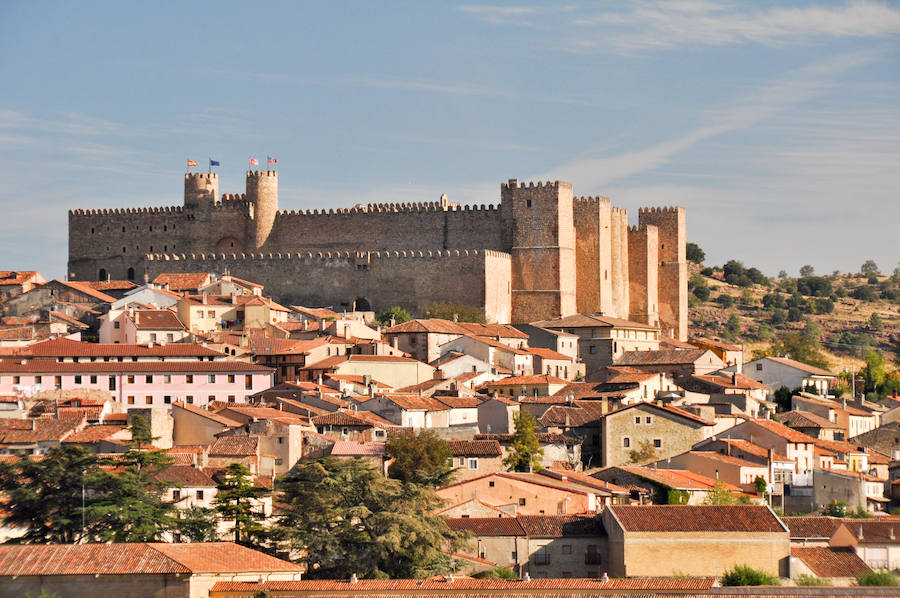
(775, 124)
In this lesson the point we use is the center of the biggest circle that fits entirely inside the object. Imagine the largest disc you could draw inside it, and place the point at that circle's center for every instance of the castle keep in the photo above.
(539, 254)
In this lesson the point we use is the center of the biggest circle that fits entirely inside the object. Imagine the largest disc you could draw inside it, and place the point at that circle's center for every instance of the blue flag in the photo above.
(213, 162)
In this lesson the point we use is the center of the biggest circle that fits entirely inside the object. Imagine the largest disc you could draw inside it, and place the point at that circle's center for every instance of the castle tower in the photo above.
(619, 262)
(201, 189)
(262, 193)
(592, 255)
(643, 291)
(543, 249)
(673, 303)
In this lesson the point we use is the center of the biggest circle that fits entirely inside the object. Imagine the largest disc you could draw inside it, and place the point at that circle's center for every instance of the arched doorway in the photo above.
(131, 274)
(102, 274)
(362, 304)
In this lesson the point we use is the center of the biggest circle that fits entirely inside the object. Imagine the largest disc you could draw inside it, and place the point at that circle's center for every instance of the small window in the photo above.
(17, 379)
(211, 398)
(593, 349)
(149, 379)
(189, 379)
(231, 398)
(521, 502)
(231, 378)
(57, 381)
(167, 379)
(93, 379)
(491, 483)
(281, 439)
(176, 495)
(131, 379)
(211, 378)
(152, 337)
(131, 399)
(657, 443)
(189, 399)
(77, 379)
(38, 379)
(167, 399)
(648, 419)
(248, 382)
(626, 442)
(567, 549)
(211, 314)
(473, 463)
(148, 400)
(170, 337)
(199, 494)
(637, 419)
(758, 367)
(527, 203)
(116, 324)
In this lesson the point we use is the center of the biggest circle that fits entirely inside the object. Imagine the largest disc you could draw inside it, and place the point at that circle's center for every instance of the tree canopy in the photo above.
(398, 314)
(346, 518)
(422, 457)
(695, 254)
(237, 500)
(525, 450)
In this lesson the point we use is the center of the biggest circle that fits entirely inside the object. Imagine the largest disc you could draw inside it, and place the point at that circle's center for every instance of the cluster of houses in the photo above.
(642, 436)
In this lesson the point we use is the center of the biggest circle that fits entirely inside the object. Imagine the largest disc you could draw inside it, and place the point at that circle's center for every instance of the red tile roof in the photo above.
(29, 431)
(87, 290)
(344, 448)
(697, 518)
(661, 357)
(487, 526)
(157, 319)
(547, 353)
(809, 369)
(809, 527)
(474, 448)
(185, 476)
(805, 419)
(526, 380)
(182, 282)
(680, 479)
(92, 434)
(477, 587)
(561, 526)
(492, 330)
(135, 559)
(110, 285)
(827, 561)
(50, 367)
(211, 415)
(235, 446)
(782, 430)
(63, 347)
(590, 321)
(432, 325)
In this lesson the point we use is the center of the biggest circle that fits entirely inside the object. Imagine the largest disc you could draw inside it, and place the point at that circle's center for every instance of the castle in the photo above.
(540, 254)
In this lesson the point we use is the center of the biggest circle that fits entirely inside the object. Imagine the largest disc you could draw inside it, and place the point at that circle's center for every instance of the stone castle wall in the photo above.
(565, 255)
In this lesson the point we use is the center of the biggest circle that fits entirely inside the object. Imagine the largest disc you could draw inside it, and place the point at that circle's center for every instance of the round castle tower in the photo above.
(201, 189)
(262, 193)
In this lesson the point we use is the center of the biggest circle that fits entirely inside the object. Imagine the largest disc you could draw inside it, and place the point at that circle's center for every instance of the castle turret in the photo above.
(262, 193)
(543, 249)
(201, 189)
(673, 301)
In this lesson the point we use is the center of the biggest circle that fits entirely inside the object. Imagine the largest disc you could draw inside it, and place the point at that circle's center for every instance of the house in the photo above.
(54, 293)
(730, 354)
(811, 424)
(423, 338)
(35, 436)
(504, 358)
(142, 326)
(136, 570)
(193, 425)
(551, 362)
(187, 486)
(876, 541)
(720, 384)
(13, 283)
(101, 438)
(885, 439)
(859, 490)
(578, 419)
(663, 486)
(187, 282)
(463, 409)
(838, 566)
(779, 468)
(241, 449)
(408, 410)
(454, 363)
(354, 426)
(203, 314)
(544, 546)
(776, 372)
(475, 458)
(558, 341)
(650, 385)
(227, 284)
(733, 470)
(375, 453)
(497, 415)
(560, 451)
(655, 431)
(697, 540)
(528, 386)
(677, 363)
(852, 420)
(149, 295)
(393, 370)
(287, 357)
(602, 340)
(767, 433)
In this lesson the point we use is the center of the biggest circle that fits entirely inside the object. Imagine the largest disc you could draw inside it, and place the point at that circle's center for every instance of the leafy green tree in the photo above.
(806, 271)
(719, 495)
(236, 500)
(695, 254)
(875, 371)
(869, 267)
(760, 484)
(396, 313)
(196, 524)
(733, 325)
(46, 496)
(779, 317)
(127, 502)
(455, 311)
(800, 347)
(875, 322)
(141, 436)
(345, 517)
(744, 575)
(783, 398)
(525, 450)
(701, 293)
(422, 457)
(897, 349)
(782, 274)
(725, 300)
(812, 330)
(757, 277)
(877, 578)
(837, 508)
(864, 293)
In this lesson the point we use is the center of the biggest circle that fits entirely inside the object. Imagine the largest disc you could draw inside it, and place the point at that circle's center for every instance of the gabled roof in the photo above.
(492, 330)
(667, 409)
(797, 365)
(64, 347)
(319, 313)
(679, 479)
(135, 559)
(27, 431)
(590, 321)
(487, 526)
(92, 434)
(580, 413)
(661, 357)
(474, 448)
(109, 285)
(805, 419)
(336, 360)
(547, 353)
(811, 527)
(87, 290)
(526, 380)
(735, 381)
(782, 430)
(561, 526)
(157, 319)
(697, 518)
(426, 325)
(827, 561)
(182, 282)
(235, 446)
(185, 476)
(345, 448)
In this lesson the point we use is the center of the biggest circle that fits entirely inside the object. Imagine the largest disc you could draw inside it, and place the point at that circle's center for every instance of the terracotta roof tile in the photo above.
(699, 518)
(38, 430)
(63, 347)
(809, 527)
(157, 319)
(474, 448)
(805, 419)
(661, 357)
(590, 321)
(809, 369)
(561, 526)
(346, 448)
(185, 476)
(47, 366)
(92, 434)
(491, 330)
(827, 561)
(526, 380)
(782, 430)
(235, 446)
(487, 526)
(432, 325)
(182, 282)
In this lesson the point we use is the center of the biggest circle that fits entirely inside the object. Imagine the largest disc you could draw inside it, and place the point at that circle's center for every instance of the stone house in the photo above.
(859, 490)
(852, 420)
(666, 540)
(885, 439)
(558, 341)
(541, 385)
(13, 283)
(656, 430)
(811, 424)
(55, 293)
(677, 363)
(136, 570)
(502, 357)
(355, 426)
(475, 458)
(409, 411)
(733, 470)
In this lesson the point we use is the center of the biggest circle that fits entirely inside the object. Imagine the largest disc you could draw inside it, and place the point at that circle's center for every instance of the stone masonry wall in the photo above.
(593, 255)
(643, 256)
(672, 266)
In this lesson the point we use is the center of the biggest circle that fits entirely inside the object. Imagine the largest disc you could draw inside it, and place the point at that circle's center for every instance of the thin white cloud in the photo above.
(792, 89)
(651, 25)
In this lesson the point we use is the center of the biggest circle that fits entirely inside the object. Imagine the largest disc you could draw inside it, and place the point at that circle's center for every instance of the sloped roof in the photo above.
(427, 325)
(20, 431)
(87, 290)
(346, 448)
(189, 281)
(811, 527)
(827, 561)
(799, 365)
(548, 353)
(680, 479)
(660, 357)
(474, 448)
(235, 446)
(526, 380)
(211, 415)
(805, 419)
(64, 347)
(92, 434)
(782, 430)
(562, 526)
(185, 476)
(135, 559)
(590, 321)
(697, 518)
(157, 319)
(487, 526)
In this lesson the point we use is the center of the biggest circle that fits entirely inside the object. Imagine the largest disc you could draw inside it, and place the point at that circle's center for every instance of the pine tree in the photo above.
(422, 457)
(236, 500)
(525, 451)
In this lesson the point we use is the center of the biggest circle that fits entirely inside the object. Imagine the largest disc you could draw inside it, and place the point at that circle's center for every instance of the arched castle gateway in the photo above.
(539, 254)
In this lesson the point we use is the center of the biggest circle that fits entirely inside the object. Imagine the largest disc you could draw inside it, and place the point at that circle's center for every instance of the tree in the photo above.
(236, 500)
(525, 450)
(694, 253)
(782, 274)
(783, 398)
(719, 495)
(897, 349)
(396, 314)
(196, 524)
(747, 297)
(725, 300)
(643, 454)
(869, 267)
(744, 575)
(761, 485)
(423, 458)
(346, 518)
(455, 311)
(812, 330)
(141, 436)
(875, 371)
(877, 578)
(798, 346)
(806, 270)
(46, 496)
(875, 322)
(733, 325)
(837, 508)
(701, 292)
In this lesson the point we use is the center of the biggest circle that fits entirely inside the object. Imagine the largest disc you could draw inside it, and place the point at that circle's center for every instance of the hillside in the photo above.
(841, 305)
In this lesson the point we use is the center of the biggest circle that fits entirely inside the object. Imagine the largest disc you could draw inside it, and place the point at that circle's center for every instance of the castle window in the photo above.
(165, 227)
(123, 249)
(123, 229)
(151, 249)
(528, 203)
(92, 230)
(165, 247)
(151, 228)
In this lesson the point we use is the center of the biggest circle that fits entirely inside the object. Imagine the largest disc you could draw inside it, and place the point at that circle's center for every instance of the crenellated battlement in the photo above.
(640, 228)
(234, 197)
(258, 174)
(209, 176)
(127, 211)
(660, 210)
(392, 209)
(592, 199)
(326, 255)
(516, 184)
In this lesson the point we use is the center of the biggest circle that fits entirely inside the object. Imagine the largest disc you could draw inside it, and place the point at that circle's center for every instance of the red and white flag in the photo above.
(272, 160)
(254, 162)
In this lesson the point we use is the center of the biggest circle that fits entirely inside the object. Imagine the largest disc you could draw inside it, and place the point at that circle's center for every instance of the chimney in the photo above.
(353, 578)
(605, 577)
(859, 532)
(204, 300)
(734, 378)
(844, 403)
(371, 389)
(526, 577)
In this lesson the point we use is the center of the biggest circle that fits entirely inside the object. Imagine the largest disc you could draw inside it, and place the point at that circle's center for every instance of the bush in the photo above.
(497, 573)
(837, 508)
(877, 578)
(694, 253)
(454, 311)
(744, 575)
(869, 267)
(747, 298)
(399, 315)
(823, 305)
(814, 286)
(707, 271)
(725, 301)
(702, 293)
(794, 314)
(771, 300)
(810, 580)
(864, 293)
(779, 317)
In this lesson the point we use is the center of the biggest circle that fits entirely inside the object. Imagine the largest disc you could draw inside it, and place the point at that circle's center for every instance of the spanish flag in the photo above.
(191, 163)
